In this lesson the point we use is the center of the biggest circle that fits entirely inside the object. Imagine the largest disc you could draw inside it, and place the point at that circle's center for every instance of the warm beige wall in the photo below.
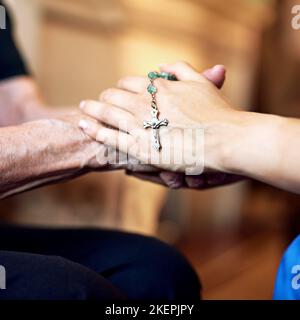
(28, 22)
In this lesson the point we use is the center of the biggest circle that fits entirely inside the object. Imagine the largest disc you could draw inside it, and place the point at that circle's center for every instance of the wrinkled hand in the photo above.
(93, 155)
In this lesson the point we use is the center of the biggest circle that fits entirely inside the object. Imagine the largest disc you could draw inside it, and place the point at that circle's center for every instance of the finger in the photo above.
(172, 179)
(195, 182)
(210, 180)
(216, 75)
(134, 165)
(133, 84)
(220, 178)
(109, 114)
(183, 71)
(114, 138)
(139, 84)
(121, 98)
(151, 177)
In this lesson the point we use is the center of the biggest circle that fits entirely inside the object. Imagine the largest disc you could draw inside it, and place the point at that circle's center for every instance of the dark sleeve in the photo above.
(11, 63)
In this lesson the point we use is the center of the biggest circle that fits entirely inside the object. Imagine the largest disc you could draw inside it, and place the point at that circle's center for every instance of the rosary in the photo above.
(155, 123)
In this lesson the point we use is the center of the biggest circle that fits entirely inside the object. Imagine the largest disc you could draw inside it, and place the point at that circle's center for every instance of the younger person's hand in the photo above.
(191, 102)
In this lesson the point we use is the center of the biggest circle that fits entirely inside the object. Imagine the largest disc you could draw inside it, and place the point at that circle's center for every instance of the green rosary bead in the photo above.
(172, 77)
(153, 75)
(164, 75)
(167, 76)
(155, 123)
(151, 89)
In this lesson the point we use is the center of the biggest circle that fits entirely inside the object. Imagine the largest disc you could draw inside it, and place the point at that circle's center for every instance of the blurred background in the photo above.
(233, 235)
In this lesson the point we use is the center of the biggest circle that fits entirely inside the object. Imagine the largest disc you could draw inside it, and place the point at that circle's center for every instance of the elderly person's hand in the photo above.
(42, 145)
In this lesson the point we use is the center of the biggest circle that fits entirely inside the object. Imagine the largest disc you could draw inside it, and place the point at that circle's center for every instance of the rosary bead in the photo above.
(153, 75)
(152, 89)
(164, 75)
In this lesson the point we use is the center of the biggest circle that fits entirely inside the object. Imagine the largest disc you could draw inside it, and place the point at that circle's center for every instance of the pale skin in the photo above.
(216, 76)
(260, 146)
(39, 146)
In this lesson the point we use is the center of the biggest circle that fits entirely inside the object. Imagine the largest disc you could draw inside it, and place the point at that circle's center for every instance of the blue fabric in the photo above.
(287, 286)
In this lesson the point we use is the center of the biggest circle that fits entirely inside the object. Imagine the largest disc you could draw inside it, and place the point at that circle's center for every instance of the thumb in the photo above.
(216, 75)
(185, 72)
(182, 70)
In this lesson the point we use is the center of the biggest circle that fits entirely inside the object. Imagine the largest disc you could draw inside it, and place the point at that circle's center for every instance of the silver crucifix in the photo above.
(155, 124)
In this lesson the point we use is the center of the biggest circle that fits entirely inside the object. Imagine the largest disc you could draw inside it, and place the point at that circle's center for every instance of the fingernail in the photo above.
(218, 67)
(83, 124)
(82, 104)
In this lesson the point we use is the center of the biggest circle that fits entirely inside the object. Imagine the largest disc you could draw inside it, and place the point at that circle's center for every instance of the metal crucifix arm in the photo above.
(155, 124)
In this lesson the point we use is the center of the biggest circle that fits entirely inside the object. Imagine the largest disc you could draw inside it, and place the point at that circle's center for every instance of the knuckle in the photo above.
(107, 94)
(165, 98)
(140, 101)
(88, 106)
(91, 107)
(103, 113)
(101, 136)
(123, 81)
(162, 84)
(174, 184)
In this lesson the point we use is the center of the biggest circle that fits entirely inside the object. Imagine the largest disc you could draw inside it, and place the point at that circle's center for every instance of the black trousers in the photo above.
(92, 264)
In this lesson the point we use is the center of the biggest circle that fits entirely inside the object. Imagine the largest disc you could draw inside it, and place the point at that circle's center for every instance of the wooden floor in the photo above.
(233, 266)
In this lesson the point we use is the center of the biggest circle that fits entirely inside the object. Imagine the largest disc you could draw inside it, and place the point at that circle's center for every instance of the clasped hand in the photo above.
(194, 100)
